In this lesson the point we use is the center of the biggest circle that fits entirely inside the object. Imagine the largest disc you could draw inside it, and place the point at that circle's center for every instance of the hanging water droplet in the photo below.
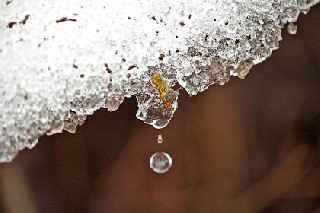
(160, 138)
(292, 28)
(160, 162)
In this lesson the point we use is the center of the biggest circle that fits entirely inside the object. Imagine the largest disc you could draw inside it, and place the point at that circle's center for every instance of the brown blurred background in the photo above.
(248, 146)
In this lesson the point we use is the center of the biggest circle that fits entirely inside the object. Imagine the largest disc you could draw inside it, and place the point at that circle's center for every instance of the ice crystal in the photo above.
(292, 28)
(61, 61)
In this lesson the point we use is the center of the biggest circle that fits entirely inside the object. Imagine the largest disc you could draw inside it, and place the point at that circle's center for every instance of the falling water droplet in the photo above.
(292, 28)
(160, 139)
(160, 162)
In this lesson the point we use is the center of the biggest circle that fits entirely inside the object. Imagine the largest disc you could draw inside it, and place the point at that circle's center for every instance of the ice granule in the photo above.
(61, 61)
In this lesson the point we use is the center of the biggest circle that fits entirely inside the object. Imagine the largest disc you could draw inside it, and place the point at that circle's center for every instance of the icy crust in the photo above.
(60, 62)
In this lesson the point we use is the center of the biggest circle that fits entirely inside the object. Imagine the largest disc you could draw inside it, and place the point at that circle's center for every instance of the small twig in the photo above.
(65, 19)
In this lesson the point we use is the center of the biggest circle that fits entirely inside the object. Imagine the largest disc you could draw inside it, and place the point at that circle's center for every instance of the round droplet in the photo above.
(160, 162)
(160, 139)
(292, 28)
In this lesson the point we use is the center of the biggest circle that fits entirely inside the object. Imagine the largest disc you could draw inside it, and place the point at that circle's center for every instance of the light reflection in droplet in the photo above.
(160, 162)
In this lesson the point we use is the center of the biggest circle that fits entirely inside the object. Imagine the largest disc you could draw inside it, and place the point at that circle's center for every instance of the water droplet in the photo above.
(292, 28)
(160, 139)
(160, 162)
